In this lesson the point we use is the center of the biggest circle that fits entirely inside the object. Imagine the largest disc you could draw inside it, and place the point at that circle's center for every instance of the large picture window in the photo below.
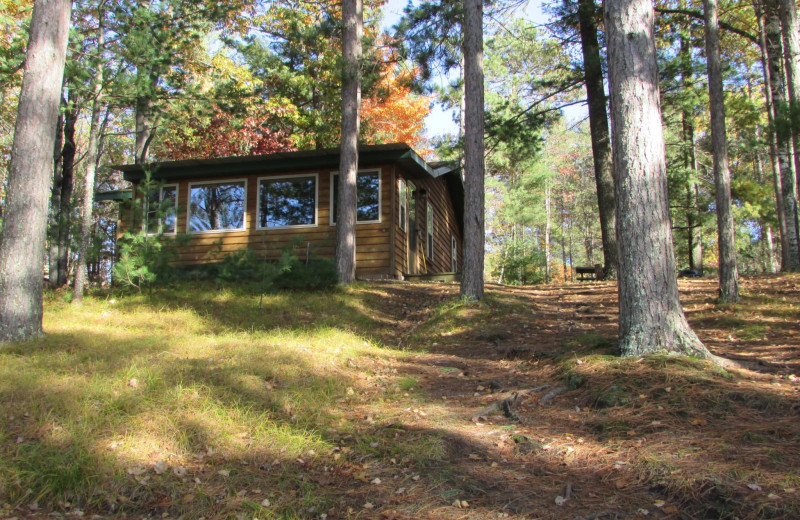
(287, 201)
(160, 210)
(216, 206)
(368, 196)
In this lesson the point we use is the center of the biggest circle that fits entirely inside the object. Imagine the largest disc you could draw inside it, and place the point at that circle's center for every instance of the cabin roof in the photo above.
(399, 153)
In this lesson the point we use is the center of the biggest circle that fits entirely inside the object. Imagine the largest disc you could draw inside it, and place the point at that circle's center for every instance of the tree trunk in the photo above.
(728, 274)
(791, 42)
(22, 240)
(67, 187)
(547, 233)
(598, 127)
(352, 17)
(694, 230)
(93, 152)
(144, 130)
(55, 202)
(474, 167)
(651, 318)
(773, 142)
(780, 108)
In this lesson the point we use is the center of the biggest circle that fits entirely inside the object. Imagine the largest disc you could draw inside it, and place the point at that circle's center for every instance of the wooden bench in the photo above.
(590, 273)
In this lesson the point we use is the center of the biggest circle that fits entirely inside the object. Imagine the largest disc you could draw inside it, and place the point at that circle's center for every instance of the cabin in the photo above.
(409, 217)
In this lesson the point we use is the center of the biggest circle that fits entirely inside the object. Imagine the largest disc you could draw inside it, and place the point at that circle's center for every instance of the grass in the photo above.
(199, 402)
(122, 384)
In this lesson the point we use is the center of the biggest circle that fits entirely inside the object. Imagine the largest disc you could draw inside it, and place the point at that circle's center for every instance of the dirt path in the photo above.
(655, 438)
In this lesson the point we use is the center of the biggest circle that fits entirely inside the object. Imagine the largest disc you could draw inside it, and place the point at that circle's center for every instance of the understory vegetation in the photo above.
(371, 402)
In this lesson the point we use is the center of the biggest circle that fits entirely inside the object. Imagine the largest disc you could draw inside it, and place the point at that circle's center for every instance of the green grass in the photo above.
(183, 377)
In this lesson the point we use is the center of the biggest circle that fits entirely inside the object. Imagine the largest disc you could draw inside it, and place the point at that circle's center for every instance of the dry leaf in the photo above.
(560, 500)
(265, 502)
(160, 467)
(224, 472)
(376, 481)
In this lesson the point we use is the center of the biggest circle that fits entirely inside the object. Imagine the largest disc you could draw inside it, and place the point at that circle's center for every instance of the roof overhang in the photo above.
(399, 153)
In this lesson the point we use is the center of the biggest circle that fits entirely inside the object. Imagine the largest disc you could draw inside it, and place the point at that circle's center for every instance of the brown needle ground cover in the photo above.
(379, 402)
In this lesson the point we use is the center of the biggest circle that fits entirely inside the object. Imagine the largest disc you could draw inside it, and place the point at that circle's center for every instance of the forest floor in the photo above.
(385, 401)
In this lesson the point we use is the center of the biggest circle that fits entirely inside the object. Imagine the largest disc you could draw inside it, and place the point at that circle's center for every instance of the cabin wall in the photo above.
(445, 228)
(373, 240)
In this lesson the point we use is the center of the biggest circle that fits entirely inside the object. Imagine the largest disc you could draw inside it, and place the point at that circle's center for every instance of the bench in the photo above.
(590, 273)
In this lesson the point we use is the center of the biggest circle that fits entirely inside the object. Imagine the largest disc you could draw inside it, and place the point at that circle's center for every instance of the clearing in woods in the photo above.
(398, 401)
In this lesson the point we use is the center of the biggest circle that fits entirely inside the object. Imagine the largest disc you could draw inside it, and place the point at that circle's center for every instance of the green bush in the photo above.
(316, 274)
(287, 273)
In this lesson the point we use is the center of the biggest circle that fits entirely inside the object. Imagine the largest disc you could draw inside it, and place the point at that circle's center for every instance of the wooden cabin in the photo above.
(409, 216)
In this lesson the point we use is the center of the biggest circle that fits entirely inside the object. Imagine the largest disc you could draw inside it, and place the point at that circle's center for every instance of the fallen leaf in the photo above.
(376, 481)
(160, 467)
(136, 470)
(179, 471)
(560, 500)
(224, 472)
(265, 502)
(754, 487)
(659, 503)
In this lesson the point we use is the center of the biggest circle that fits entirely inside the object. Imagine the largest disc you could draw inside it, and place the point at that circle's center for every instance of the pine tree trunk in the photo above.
(694, 230)
(791, 41)
(651, 318)
(352, 17)
(601, 140)
(55, 202)
(144, 130)
(472, 273)
(780, 108)
(547, 234)
(773, 140)
(22, 240)
(728, 274)
(67, 187)
(93, 151)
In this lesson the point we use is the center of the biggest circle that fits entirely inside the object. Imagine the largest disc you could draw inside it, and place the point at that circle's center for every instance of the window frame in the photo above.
(430, 230)
(216, 231)
(402, 187)
(315, 176)
(380, 198)
(147, 202)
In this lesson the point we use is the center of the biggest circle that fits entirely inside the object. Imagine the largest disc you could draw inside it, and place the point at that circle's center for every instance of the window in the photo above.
(453, 254)
(216, 206)
(368, 196)
(430, 231)
(403, 198)
(160, 210)
(287, 201)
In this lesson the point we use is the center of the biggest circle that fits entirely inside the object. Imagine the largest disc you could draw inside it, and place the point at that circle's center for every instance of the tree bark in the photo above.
(547, 231)
(22, 240)
(694, 229)
(55, 202)
(352, 17)
(651, 318)
(728, 273)
(598, 127)
(780, 108)
(791, 47)
(93, 152)
(474, 167)
(783, 234)
(67, 187)
(144, 130)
